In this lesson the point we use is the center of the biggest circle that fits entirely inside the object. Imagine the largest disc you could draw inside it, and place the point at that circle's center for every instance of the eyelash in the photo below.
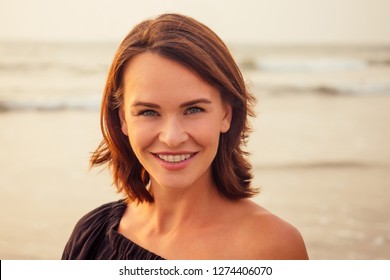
(148, 113)
(152, 113)
(194, 110)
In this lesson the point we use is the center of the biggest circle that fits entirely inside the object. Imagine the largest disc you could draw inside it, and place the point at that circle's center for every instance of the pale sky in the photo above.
(244, 21)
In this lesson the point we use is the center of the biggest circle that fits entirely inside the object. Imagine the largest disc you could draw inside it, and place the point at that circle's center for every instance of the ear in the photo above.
(227, 118)
(123, 120)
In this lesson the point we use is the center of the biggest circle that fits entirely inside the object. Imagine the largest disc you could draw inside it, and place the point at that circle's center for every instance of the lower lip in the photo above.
(175, 166)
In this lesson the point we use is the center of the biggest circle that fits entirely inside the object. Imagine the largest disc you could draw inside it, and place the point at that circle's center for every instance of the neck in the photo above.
(176, 209)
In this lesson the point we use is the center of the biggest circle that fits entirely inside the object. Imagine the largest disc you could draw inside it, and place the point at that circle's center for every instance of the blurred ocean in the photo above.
(319, 147)
(58, 76)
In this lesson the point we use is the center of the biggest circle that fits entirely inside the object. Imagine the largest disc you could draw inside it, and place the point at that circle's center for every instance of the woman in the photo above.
(174, 119)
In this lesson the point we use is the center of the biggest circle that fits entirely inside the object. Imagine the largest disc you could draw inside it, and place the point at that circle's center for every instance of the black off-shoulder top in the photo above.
(95, 237)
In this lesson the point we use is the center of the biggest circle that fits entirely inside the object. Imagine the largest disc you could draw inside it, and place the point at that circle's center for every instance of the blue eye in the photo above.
(194, 110)
(148, 113)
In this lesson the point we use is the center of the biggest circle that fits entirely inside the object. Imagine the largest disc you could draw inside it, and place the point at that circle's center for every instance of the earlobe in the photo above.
(123, 121)
(225, 126)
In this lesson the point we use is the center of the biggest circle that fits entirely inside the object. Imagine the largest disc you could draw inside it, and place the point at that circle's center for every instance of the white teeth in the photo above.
(174, 158)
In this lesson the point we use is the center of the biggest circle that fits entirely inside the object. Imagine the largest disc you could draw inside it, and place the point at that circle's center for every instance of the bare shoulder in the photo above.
(270, 237)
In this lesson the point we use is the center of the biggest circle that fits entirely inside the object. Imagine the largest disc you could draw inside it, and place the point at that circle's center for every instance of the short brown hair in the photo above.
(194, 45)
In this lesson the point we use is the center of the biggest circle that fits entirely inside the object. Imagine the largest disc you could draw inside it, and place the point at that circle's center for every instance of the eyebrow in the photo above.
(183, 105)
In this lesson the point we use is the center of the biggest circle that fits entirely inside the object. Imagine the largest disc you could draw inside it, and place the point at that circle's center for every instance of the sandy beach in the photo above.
(322, 161)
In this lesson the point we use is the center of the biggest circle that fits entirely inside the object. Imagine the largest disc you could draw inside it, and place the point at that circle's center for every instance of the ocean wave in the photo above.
(49, 77)
(50, 67)
(328, 89)
(49, 105)
(308, 65)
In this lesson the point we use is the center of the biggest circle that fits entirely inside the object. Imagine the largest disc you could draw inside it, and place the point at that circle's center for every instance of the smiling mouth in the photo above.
(174, 158)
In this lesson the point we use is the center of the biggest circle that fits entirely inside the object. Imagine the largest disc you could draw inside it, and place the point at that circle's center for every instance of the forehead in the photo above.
(149, 75)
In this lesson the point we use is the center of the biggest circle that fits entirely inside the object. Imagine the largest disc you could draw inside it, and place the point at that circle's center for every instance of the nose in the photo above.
(173, 133)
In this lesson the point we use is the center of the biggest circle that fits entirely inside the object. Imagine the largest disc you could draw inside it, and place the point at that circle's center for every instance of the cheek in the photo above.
(206, 132)
(140, 135)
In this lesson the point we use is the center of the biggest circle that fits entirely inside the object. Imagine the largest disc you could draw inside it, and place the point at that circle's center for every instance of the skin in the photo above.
(169, 110)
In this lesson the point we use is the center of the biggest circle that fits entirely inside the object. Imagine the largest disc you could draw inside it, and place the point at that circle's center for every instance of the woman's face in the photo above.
(173, 120)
